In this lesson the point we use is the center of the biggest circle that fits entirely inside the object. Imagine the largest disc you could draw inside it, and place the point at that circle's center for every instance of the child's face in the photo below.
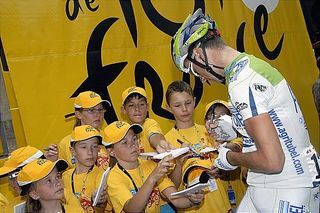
(86, 151)
(220, 111)
(181, 105)
(92, 116)
(136, 110)
(50, 187)
(127, 150)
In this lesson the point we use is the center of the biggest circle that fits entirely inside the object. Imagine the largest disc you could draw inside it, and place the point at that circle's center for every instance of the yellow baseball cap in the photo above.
(194, 171)
(88, 99)
(85, 132)
(132, 90)
(39, 169)
(215, 102)
(117, 130)
(19, 158)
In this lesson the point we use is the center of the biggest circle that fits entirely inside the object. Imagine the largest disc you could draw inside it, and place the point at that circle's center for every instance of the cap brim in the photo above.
(107, 103)
(186, 171)
(5, 170)
(136, 128)
(61, 166)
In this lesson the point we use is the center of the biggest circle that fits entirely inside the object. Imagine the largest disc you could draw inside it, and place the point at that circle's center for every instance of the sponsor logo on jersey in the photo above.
(286, 207)
(238, 67)
(241, 106)
(237, 120)
(247, 142)
(259, 87)
(287, 141)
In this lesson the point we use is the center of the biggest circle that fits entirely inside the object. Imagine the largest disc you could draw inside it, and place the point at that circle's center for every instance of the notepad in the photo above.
(174, 152)
(191, 190)
(19, 208)
(207, 149)
(102, 185)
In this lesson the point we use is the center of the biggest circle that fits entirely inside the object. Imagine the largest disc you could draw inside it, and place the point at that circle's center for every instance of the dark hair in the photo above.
(132, 96)
(32, 206)
(212, 41)
(212, 108)
(178, 86)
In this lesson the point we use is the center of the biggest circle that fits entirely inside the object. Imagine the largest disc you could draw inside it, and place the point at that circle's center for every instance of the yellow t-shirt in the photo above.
(215, 201)
(84, 185)
(121, 188)
(103, 159)
(16, 201)
(3, 202)
(150, 127)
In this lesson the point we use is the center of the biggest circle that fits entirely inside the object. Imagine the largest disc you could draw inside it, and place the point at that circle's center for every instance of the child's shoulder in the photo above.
(149, 121)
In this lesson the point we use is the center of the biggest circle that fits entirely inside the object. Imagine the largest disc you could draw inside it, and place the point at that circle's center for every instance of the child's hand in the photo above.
(196, 198)
(164, 146)
(210, 125)
(102, 199)
(182, 158)
(165, 166)
(51, 152)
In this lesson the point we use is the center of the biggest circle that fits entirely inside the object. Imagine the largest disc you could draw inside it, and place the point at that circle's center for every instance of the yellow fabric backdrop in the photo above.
(49, 55)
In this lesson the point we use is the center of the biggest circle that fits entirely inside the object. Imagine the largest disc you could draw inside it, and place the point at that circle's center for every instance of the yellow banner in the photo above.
(52, 50)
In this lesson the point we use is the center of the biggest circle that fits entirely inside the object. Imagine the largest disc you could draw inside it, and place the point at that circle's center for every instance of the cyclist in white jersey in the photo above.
(284, 173)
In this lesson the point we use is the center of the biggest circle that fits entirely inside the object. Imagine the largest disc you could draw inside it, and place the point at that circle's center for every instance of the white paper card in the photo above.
(191, 190)
(20, 208)
(102, 185)
(175, 153)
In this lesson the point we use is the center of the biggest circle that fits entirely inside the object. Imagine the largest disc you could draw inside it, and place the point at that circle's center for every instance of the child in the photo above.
(41, 181)
(134, 185)
(135, 107)
(81, 182)
(16, 161)
(181, 103)
(232, 179)
(89, 110)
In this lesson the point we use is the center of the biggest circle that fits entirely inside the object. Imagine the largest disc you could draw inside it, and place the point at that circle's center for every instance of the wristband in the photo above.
(221, 161)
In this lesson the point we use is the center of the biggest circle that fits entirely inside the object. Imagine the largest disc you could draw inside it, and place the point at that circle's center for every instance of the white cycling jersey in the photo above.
(255, 87)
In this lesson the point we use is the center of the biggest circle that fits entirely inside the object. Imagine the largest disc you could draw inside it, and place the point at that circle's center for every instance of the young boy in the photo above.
(232, 179)
(181, 103)
(135, 108)
(134, 185)
(81, 182)
(17, 160)
(89, 110)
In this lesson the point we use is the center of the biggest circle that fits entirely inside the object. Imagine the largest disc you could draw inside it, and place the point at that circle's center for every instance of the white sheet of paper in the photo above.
(208, 149)
(149, 154)
(175, 153)
(20, 208)
(191, 190)
(102, 185)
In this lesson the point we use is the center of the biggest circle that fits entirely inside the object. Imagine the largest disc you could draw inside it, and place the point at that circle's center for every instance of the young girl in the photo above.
(181, 103)
(135, 185)
(81, 182)
(11, 167)
(89, 110)
(41, 181)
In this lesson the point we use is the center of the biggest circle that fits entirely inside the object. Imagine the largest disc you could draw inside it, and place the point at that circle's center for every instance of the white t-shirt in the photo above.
(255, 87)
